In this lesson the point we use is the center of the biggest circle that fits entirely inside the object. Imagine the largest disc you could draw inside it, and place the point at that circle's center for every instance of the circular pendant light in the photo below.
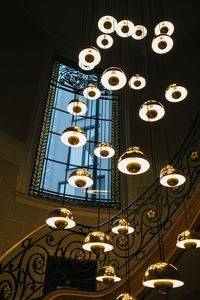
(113, 78)
(97, 242)
(188, 239)
(137, 82)
(73, 137)
(125, 28)
(133, 162)
(175, 93)
(107, 275)
(104, 41)
(84, 67)
(125, 296)
(107, 24)
(91, 92)
(80, 179)
(170, 177)
(90, 56)
(77, 107)
(164, 27)
(104, 150)
(163, 277)
(139, 32)
(61, 218)
(151, 111)
(162, 44)
(122, 227)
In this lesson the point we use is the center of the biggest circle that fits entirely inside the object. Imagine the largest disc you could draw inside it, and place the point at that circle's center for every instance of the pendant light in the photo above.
(175, 93)
(122, 227)
(90, 56)
(125, 28)
(77, 107)
(151, 111)
(188, 239)
(104, 150)
(139, 32)
(113, 78)
(125, 296)
(137, 82)
(170, 177)
(164, 27)
(107, 24)
(107, 275)
(133, 162)
(84, 67)
(91, 92)
(80, 179)
(97, 242)
(163, 277)
(162, 44)
(61, 218)
(104, 41)
(73, 137)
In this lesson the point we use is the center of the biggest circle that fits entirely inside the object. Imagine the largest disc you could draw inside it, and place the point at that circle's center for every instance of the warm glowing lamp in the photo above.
(61, 218)
(175, 93)
(162, 44)
(73, 137)
(104, 150)
(80, 179)
(170, 177)
(137, 82)
(151, 111)
(113, 78)
(188, 239)
(89, 56)
(77, 107)
(107, 275)
(139, 32)
(107, 24)
(125, 28)
(121, 226)
(164, 27)
(104, 41)
(91, 92)
(97, 242)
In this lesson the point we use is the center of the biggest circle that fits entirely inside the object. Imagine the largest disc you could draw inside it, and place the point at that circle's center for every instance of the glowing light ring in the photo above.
(151, 283)
(117, 228)
(103, 20)
(90, 51)
(120, 26)
(122, 165)
(115, 72)
(143, 32)
(167, 24)
(174, 88)
(51, 222)
(91, 88)
(86, 68)
(66, 134)
(181, 179)
(115, 278)
(103, 37)
(88, 246)
(162, 38)
(72, 179)
(99, 148)
(137, 78)
(157, 106)
(77, 103)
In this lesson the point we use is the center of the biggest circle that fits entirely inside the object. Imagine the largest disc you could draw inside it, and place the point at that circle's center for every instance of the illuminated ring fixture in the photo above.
(133, 162)
(86, 68)
(122, 227)
(151, 111)
(104, 150)
(90, 56)
(97, 242)
(125, 28)
(77, 107)
(162, 44)
(73, 137)
(107, 24)
(107, 275)
(164, 27)
(163, 277)
(113, 79)
(104, 41)
(188, 239)
(175, 93)
(139, 32)
(61, 218)
(137, 82)
(170, 177)
(80, 179)
(91, 92)
(125, 296)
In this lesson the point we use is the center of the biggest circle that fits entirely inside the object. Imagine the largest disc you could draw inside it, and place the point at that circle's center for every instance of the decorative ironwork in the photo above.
(151, 214)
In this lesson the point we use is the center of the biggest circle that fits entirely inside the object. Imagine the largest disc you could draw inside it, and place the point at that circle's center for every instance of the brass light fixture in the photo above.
(107, 275)
(125, 28)
(77, 107)
(139, 32)
(113, 78)
(104, 150)
(107, 24)
(188, 239)
(137, 82)
(164, 27)
(175, 93)
(61, 218)
(73, 137)
(104, 41)
(151, 111)
(125, 296)
(80, 179)
(90, 56)
(133, 162)
(122, 227)
(170, 177)
(91, 92)
(163, 277)
(162, 44)
(97, 242)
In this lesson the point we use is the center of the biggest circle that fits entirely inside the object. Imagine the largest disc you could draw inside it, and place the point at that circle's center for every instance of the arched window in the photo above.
(56, 161)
